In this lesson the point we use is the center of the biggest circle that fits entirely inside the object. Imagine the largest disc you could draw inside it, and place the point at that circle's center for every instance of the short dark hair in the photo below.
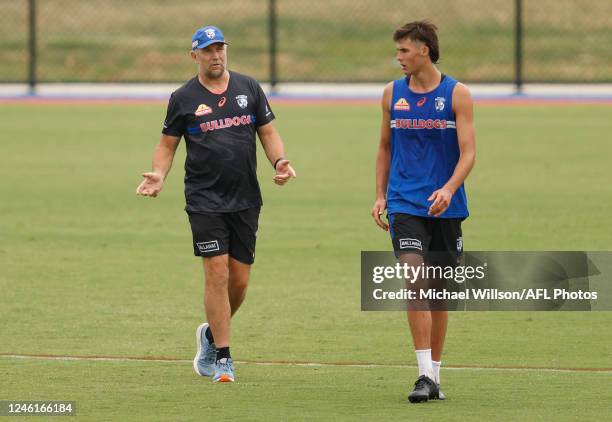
(423, 31)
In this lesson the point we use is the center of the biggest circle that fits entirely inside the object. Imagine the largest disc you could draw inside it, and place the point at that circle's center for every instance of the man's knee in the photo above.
(239, 281)
(411, 259)
(216, 271)
(239, 273)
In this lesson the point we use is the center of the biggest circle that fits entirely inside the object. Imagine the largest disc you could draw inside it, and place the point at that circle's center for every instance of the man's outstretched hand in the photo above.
(284, 172)
(151, 185)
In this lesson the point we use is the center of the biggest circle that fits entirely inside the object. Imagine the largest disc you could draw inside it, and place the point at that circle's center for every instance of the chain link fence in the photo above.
(316, 41)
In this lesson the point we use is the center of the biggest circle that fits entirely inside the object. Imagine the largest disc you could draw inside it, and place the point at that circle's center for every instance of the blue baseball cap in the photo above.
(206, 36)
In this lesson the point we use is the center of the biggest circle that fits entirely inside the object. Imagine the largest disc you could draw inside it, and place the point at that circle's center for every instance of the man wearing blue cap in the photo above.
(218, 112)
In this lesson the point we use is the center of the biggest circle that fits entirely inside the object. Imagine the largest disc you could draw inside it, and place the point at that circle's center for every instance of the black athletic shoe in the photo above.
(424, 389)
(437, 396)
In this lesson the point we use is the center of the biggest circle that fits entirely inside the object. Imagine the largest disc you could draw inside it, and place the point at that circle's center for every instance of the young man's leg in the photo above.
(439, 321)
(446, 250)
(419, 317)
(411, 237)
(420, 321)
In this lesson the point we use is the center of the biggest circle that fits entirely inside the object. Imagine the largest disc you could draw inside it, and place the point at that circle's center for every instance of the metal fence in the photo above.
(294, 40)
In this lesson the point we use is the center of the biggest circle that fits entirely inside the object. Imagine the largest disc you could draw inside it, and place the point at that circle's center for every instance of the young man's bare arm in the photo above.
(463, 107)
(383, 159)
(162, 162)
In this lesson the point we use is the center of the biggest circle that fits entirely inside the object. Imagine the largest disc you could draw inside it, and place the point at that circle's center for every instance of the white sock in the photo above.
(436, 368)
(424, 361)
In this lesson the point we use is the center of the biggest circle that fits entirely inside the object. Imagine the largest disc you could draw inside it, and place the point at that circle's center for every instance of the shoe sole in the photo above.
(418, 399)
(199, 348)
(224, 378)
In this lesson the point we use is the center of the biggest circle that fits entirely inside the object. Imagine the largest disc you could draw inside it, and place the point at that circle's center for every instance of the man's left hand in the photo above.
(284, 172)
(441, 200)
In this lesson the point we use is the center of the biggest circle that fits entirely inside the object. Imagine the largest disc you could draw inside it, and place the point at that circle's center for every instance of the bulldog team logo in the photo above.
(401, 104)
(202, 110)
(440, 103)
(242, 100)
(210, 33)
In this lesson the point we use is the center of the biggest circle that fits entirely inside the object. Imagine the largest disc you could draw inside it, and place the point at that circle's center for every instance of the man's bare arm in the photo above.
(275, 151)
(383, 159)
(162, 163)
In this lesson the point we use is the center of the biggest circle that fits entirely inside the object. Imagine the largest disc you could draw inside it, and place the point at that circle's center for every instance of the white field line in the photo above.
(301, 364)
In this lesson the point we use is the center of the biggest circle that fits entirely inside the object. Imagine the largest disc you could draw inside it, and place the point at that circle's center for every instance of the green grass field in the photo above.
(88, 268)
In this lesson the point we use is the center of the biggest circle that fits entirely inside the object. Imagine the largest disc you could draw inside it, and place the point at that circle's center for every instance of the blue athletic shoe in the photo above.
(224, 370)
(204, 361)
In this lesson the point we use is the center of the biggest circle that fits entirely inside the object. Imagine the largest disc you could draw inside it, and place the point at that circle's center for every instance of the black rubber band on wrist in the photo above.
(276, 162)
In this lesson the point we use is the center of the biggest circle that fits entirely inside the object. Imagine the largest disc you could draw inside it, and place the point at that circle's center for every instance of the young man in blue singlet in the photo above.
(426, 151)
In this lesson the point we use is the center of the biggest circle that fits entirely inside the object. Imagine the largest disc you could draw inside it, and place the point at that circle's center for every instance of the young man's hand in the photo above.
(441, 200)
(377, 212)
